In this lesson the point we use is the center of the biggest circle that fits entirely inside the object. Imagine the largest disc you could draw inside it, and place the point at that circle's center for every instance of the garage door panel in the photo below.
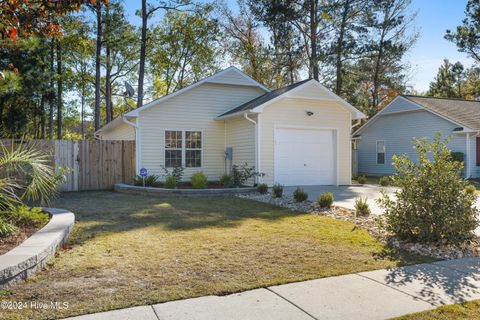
(304, 157)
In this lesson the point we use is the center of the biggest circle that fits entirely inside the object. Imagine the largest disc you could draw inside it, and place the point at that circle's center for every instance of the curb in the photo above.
(31, 255)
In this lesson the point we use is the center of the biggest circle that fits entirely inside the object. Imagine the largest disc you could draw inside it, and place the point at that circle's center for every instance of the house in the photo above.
(296, 135)
(392, 130)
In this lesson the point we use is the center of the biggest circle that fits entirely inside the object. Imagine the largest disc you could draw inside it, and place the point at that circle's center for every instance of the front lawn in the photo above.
(129, 250)
(462, 311)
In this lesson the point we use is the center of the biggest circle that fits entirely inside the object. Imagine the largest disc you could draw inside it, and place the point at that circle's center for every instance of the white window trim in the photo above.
(384, 152)
(184, 148)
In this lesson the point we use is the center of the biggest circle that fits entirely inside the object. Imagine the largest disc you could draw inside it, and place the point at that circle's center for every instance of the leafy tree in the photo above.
(431, 203)
(244, 43)
(146, 13)
(121, 53)
(467, 35)
(449, 81)
(186, 49)
(389, 38)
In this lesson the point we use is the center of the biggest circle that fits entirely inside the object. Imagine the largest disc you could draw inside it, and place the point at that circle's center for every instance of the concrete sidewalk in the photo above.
(379, 294)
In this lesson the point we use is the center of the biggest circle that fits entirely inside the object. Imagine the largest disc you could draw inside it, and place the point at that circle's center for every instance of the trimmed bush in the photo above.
(262, 188)
(277, 190)
(6, 228)
(362, 179)
(150, 180)
(300, 195)
(325, 200)
(384, 181)
(226, 180)
(430, 204)
(23, 216)
(361, 207)
(170, 182)
(470, 189)
(199, 180)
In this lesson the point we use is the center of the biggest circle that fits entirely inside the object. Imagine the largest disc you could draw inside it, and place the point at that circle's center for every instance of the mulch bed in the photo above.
(13, 240)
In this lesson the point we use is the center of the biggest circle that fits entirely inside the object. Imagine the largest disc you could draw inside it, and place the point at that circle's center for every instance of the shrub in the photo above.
(170, 182)
(300, 195)
(173, 178)
(384, 181)
(277, 190)
(470, 189)
(325, 200)
(22, 216)
(6, 228)
(150, 180)
(199, 180)
(361, 207)
(430, 204)
(362, 179)
(226, 180)
(241, 174)
(262, 188)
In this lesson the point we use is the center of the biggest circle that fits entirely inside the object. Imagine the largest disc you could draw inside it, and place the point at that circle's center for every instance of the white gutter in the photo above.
(359, 121)
(138, 145)
(257, 154)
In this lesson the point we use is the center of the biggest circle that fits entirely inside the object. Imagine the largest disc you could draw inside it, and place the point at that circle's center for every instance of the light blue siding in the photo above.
(400, 104)
(398, 130)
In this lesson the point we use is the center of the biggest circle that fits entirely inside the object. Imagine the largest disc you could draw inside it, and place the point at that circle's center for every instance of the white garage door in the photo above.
(304, 157)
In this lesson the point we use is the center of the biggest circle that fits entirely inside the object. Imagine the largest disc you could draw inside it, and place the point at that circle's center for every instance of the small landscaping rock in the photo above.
(372, 224)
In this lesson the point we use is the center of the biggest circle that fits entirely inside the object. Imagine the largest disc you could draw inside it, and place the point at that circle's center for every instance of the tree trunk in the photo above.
(98, 52)
(313, 38)
(42, 119)
(82, 113)
(108, 70)
(143, 53)
(51, 91)
(59, 89)
(339, 61)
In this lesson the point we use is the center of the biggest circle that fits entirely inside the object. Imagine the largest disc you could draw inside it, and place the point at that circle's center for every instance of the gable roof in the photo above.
(464, 112)
(263, 98)
(256, 104)
(215, 78)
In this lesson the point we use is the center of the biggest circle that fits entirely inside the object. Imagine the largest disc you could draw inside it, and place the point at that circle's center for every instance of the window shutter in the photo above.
(478, 151)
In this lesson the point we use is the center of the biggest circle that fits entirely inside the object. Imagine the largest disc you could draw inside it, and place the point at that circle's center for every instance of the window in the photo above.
(478, 151)
(183, 148)
(380, 152)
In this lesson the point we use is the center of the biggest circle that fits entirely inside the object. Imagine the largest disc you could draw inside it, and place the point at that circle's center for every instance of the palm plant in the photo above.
(25, 176)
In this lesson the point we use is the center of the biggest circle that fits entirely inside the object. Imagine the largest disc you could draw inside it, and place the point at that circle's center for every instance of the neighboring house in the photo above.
(392, 130)
(296, 135)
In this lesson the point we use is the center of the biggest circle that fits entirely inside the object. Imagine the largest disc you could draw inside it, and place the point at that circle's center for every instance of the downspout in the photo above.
(467, 169)
(137, 143)
(359, 121)
(245, 115)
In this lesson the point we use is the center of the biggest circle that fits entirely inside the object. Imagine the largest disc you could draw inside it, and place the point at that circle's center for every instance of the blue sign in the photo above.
(143, 172)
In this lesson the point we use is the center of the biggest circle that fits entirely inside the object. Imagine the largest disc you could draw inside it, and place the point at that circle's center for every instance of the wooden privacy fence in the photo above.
(90, 165)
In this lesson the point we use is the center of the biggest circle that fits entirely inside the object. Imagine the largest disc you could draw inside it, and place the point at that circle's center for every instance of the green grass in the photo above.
(463, 311)
(128, 250)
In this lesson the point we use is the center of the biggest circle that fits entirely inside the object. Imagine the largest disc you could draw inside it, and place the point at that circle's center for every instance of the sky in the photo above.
(433, 18)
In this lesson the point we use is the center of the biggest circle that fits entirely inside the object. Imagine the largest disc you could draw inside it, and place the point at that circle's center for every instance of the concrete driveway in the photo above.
(345, 195)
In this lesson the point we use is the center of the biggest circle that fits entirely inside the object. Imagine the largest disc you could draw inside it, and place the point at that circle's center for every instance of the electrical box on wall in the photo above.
(229, 153)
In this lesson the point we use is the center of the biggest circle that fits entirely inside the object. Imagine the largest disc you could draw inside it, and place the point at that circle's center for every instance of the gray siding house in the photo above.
(392, 130)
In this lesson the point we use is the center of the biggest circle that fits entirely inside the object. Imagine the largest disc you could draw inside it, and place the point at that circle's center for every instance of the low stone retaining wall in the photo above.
(127, 188)
(32, 255)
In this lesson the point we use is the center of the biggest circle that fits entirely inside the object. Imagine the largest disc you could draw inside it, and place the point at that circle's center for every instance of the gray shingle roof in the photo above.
(263, 98)
(464, 112)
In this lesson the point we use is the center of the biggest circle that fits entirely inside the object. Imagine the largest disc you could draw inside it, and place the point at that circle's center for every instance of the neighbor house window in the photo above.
(380, 152)
(183, 148)
(478, 151)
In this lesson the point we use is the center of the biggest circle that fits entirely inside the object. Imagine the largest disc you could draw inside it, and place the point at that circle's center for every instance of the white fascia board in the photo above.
(135, 112)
